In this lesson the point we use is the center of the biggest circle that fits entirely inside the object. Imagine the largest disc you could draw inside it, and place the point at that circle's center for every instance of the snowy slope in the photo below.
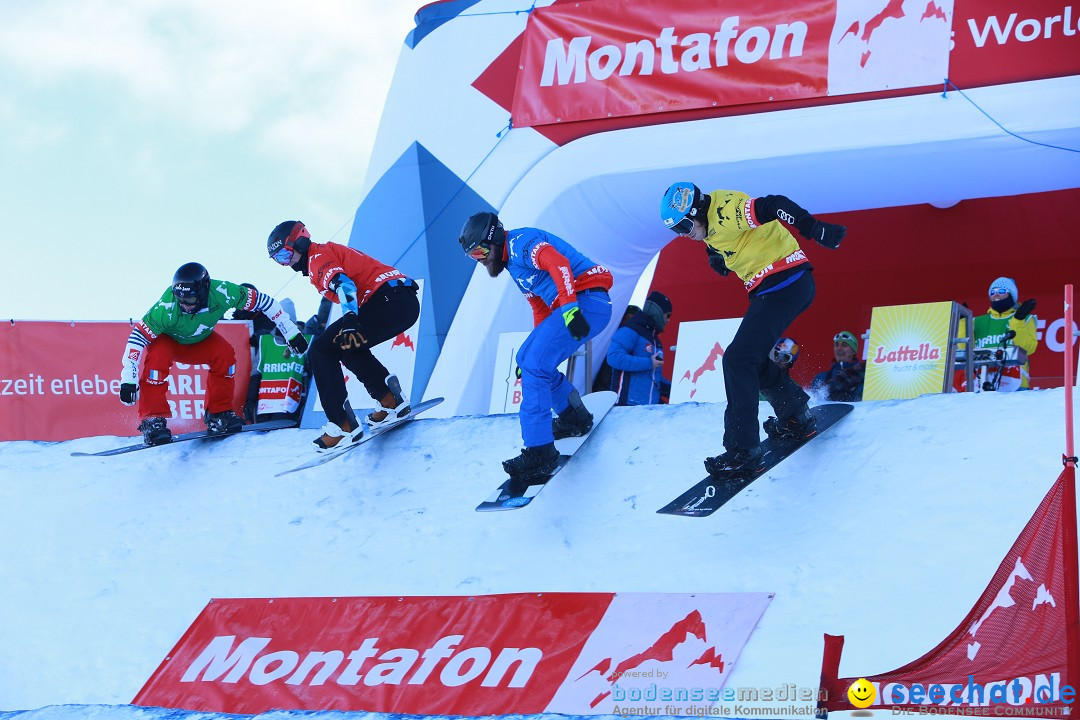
(885, 530)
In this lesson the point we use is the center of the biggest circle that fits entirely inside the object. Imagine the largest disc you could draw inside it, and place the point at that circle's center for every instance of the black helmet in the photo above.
(289, 235)
(191, 286)
(480, 233)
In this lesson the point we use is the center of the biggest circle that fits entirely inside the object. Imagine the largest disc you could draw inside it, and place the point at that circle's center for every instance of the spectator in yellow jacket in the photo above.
(1007, 325)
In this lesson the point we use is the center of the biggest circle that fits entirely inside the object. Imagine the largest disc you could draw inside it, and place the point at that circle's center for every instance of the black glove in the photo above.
(716, 262)
(128, 393)
(348, 336)
(298, 343)
(1025, 309)
(823, 233)
(576, 322)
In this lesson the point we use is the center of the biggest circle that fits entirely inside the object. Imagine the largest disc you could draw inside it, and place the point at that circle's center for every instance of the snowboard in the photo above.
(513, 494)
(184, 437)
(713, 492)
(323, 458)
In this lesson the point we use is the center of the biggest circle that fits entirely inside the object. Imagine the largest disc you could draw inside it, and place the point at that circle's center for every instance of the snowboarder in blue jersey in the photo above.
(568, 293)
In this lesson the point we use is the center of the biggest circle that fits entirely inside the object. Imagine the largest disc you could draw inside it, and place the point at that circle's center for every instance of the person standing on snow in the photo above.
(1008, 323)
(378, 302)
(742, 235)
(180, 328)
(568, 293)
(636, 355)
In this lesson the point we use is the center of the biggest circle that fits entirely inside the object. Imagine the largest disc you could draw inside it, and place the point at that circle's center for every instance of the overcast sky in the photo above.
(137, 135)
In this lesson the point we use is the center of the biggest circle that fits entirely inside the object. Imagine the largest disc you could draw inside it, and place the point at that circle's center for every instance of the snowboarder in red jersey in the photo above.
(378, 302)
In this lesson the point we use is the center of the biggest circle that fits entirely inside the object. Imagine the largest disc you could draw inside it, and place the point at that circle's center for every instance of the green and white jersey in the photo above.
(167, 318)
(282, 386)
(989, 331)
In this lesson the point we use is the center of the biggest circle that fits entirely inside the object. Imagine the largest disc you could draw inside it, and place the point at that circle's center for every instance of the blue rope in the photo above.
(502, 135)
(944, 94)
(500, 12)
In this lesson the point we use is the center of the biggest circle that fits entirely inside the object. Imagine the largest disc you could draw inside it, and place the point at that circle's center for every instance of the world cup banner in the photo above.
(61, 381)
(616, 58)
(908, 351)
(527, 653)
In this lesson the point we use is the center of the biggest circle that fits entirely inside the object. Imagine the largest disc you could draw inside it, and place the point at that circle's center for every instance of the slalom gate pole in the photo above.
(1072, 554)
(1070, 377)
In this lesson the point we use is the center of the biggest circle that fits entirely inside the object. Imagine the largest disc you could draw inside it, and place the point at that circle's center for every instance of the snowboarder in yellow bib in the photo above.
(743, 236)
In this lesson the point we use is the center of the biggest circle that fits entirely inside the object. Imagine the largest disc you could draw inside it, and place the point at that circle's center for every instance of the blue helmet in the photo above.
(679, 206)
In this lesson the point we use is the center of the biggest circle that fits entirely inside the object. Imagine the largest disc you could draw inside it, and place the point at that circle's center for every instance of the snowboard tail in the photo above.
(184, 437)
(371, 434)
(709, 495)
(517, 493)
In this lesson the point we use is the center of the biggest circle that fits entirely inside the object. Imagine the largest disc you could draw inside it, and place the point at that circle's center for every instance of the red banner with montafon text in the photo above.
(61, 381)
(616, 58)
(524, 653)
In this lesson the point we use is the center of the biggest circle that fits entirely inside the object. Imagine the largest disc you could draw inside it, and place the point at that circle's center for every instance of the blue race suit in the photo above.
(553, 276)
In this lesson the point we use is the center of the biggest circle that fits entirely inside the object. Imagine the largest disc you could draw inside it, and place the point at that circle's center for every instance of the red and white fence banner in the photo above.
(61, 380)
(614, 58)
(1015, 654)
(574, 653)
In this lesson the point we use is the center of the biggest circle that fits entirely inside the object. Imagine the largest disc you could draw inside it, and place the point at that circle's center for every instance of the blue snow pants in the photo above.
(543, 387)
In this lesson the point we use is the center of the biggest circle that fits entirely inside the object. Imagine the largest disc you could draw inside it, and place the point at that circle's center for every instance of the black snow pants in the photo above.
(391, 310)
(748, 369)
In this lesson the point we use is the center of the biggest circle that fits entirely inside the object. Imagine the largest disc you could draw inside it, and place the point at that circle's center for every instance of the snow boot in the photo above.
(223, 423)
(574, 421)
(532, 462)
(796, 427)
(746, 459)
(396, 406)
(337, 437)
(155, 431)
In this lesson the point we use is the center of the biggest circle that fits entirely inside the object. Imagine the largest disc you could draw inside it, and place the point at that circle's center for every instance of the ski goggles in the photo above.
(999, 291)
(283, 256)
(480, 253)
(844, 337)
(186, 296)
(779, 356)
(683, 227)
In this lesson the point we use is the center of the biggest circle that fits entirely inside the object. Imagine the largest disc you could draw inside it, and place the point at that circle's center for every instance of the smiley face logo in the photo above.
(861, 693)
